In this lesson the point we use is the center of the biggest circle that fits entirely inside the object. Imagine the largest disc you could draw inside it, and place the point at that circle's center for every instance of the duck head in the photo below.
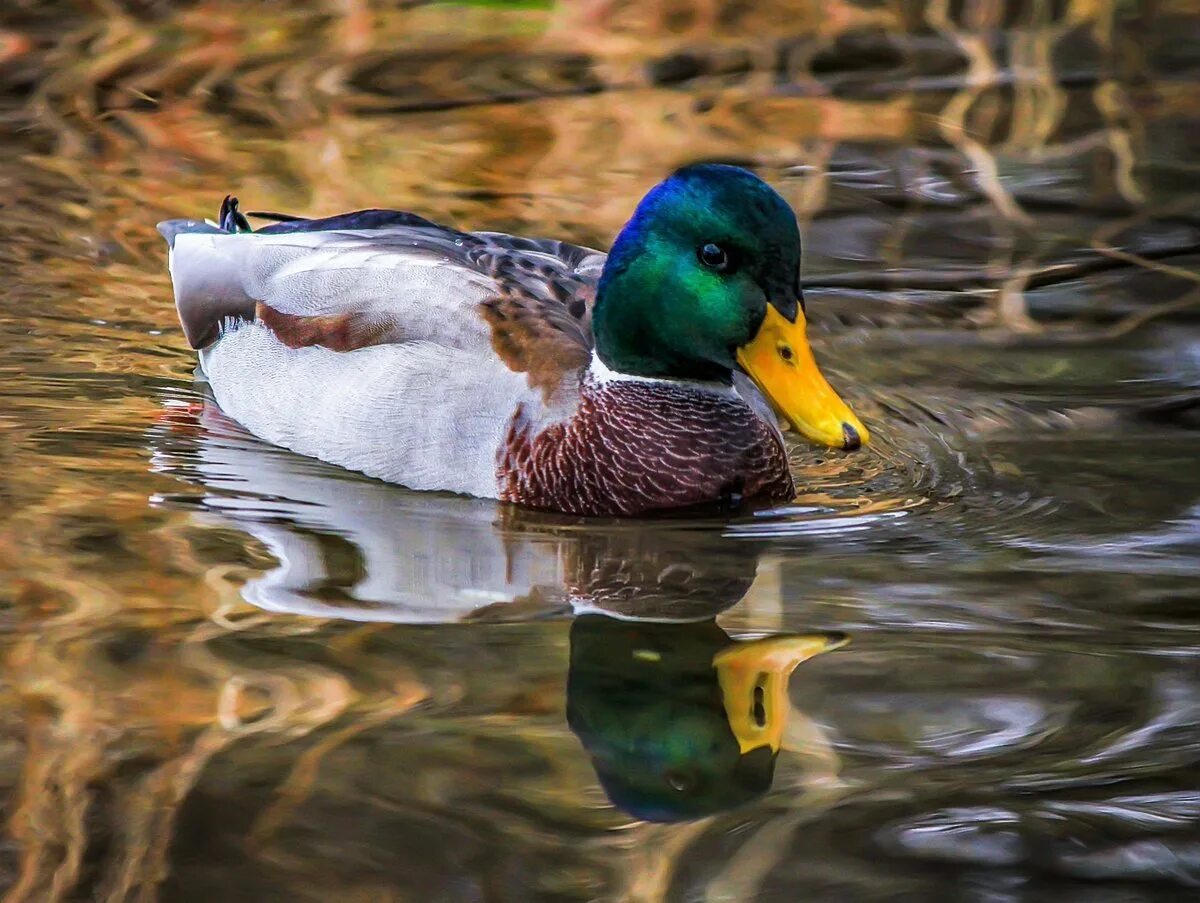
(703, 281)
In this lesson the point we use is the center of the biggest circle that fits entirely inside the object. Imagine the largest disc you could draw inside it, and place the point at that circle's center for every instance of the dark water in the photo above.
(231, 673)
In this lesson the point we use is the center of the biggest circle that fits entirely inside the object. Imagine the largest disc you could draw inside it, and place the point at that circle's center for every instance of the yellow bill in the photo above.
(754, 682)
(781, 363)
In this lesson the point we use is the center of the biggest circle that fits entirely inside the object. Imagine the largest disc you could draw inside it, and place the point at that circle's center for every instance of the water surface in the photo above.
(233, 673)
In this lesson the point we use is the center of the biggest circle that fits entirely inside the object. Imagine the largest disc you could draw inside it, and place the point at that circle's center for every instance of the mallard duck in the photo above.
(528, 370)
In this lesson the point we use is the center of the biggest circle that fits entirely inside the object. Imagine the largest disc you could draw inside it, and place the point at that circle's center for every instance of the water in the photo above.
(231, 673)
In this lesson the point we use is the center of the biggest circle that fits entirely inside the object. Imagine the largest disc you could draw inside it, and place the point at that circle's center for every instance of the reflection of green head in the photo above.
(645, 701)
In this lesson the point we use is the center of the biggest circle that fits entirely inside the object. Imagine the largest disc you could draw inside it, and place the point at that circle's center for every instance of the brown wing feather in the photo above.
(541, 316)
(337, 332)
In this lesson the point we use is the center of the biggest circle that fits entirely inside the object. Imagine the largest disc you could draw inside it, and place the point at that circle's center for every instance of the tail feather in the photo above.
(230, 218)
(207, 282)
(210, 271)
(172, 228)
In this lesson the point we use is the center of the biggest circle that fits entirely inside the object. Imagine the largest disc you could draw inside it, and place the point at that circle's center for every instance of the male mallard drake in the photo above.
(528, 370)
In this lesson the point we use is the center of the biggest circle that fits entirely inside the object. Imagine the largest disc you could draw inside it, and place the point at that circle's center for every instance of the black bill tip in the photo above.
(851, 441)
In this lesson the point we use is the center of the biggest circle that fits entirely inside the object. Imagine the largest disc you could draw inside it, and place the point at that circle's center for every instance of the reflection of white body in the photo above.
(355, 548)
(420, 556)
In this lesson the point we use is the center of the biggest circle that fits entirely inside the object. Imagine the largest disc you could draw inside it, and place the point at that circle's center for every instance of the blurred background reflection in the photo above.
(231, 673)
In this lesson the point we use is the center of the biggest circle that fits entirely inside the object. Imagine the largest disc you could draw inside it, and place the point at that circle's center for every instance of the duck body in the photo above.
(460, 361)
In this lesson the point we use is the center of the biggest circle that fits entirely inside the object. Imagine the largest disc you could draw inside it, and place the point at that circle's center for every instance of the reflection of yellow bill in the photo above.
(781, 363)
(754, 680)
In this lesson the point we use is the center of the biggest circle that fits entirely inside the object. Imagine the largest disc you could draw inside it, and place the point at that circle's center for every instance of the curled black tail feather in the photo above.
(230, 218)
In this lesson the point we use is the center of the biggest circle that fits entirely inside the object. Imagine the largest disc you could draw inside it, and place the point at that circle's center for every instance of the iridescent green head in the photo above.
(690, 276)
(705, 280)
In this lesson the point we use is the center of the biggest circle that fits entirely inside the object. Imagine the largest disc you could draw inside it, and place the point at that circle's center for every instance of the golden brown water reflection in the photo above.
(232, 673)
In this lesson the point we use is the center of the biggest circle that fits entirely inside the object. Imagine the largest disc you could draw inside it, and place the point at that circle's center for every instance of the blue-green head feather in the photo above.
(689, 277)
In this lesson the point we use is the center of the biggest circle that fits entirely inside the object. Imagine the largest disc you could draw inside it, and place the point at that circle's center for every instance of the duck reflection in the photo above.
(680, 719)
(348, 547)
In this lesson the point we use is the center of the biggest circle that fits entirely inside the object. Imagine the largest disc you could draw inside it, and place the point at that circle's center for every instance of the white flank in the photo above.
(419, 414)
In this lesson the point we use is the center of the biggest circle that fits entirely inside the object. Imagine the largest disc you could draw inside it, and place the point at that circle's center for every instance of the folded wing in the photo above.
(377, 277)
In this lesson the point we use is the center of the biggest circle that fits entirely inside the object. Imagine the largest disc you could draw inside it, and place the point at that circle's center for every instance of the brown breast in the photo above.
(640, 446)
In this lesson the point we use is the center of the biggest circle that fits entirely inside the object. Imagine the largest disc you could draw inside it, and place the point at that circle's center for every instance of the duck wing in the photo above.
(540, 319)
(385, 276)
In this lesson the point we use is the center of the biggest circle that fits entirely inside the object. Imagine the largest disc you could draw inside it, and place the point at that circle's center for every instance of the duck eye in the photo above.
(715, 257)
